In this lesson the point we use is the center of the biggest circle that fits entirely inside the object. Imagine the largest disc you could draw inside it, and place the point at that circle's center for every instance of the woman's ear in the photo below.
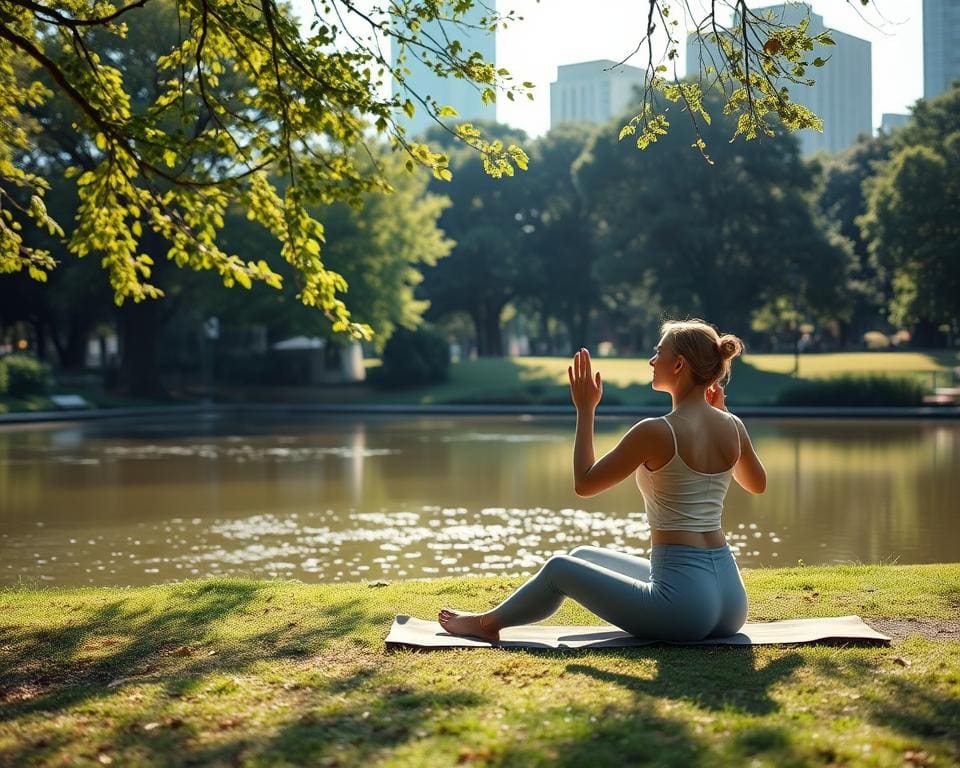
(678, 364)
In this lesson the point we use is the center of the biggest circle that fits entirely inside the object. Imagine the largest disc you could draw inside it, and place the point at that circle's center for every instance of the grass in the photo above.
(758, 379)
(277, 673)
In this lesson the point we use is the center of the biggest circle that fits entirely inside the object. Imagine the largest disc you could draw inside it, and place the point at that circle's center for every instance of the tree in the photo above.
(245, 96)
(842, 201)
(491, 263)
(683, 237)
(912, 221)
(220, 124)
(565, 286)
(379, 247)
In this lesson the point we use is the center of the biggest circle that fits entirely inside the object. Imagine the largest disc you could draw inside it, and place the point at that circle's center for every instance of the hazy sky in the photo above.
(556, 32)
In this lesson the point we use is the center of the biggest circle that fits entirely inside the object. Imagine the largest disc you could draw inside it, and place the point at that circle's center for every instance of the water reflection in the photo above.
(327, 499)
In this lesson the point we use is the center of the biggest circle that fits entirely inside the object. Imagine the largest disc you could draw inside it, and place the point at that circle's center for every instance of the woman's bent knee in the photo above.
(581, 550)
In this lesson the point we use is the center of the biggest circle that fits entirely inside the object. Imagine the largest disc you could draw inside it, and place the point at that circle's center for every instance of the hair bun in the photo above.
(730, 346)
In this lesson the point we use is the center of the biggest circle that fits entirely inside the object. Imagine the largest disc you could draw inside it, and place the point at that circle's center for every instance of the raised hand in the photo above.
(586, 389)
(716, 396)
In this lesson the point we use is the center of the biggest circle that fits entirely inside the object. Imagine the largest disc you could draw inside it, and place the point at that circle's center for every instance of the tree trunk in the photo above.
(40, 332)
(73, 350)
(926, 335)
(486, 319)
(140, 326)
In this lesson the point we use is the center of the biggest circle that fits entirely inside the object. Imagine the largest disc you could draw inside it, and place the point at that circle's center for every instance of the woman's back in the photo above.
(686, 494)
(705, 439)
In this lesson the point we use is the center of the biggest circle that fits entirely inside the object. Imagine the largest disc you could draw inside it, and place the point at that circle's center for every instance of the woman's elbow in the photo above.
(584, 490)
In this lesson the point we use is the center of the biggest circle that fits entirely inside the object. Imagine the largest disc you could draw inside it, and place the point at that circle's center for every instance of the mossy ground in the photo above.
(279, 673)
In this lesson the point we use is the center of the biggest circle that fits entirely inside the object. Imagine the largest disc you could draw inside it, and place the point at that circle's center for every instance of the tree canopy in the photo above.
(912, 219)
(249, 107)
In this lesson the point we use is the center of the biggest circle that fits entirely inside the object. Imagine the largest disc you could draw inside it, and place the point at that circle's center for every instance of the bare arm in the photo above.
(590, 476)
(748, 471)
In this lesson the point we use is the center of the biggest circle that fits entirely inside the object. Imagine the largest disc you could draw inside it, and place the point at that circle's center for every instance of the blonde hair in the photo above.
(708, 354)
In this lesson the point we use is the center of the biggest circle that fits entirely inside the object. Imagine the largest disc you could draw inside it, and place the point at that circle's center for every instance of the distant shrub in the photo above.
(4, 377)
(874, 340)
(855, 390)
(413, 359)
(26, 375)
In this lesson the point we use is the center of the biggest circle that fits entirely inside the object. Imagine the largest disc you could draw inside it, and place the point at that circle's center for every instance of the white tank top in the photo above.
(678, 498)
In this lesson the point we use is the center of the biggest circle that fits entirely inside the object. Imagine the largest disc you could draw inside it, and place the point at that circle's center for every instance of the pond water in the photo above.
(326, 499)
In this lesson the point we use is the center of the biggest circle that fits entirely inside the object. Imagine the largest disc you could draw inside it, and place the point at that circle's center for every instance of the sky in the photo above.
(558, 32)
(555, 32)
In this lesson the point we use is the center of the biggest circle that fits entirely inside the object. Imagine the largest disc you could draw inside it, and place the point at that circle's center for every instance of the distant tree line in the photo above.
(597, 242)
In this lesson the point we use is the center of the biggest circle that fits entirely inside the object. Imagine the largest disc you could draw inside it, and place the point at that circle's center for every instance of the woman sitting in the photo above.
(690, 588)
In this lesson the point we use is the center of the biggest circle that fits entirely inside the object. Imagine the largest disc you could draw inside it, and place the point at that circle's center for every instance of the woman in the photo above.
(690, 588)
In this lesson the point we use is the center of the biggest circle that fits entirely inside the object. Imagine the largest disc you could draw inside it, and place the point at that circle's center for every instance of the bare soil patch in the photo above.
(932, 629)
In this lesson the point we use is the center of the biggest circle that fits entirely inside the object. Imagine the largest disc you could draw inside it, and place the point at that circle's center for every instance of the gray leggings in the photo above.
(681, 593)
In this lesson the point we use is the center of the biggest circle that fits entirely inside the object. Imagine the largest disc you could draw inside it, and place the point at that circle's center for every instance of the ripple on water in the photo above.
(322, 546)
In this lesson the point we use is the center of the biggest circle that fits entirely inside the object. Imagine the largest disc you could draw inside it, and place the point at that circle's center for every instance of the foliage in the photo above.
(413, 359)
(244, 107)
(4, 377)
(681, 237)
(220, 129)
(380, 247)
(564, 285)
(841, 201)
(753, 62)
(913, 215)
(491, 225)
(876, 390)
(25, 375)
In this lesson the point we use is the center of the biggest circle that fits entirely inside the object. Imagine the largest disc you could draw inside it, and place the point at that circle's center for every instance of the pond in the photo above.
(335, 498)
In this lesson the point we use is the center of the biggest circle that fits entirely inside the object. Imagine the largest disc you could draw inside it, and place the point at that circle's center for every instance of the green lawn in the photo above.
(757, 379)
(244, 673)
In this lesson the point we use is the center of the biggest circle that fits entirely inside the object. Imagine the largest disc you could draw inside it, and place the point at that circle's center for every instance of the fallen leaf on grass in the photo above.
(151, 726)
(104, 759)
(468, 755)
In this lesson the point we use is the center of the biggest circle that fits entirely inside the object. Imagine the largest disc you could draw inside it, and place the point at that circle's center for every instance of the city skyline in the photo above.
(893, 29)
(557, 33)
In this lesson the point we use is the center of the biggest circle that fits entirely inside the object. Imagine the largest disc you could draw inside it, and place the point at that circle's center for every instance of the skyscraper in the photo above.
(941, 45)
(462, 95)
(842, 95)
(592, 91)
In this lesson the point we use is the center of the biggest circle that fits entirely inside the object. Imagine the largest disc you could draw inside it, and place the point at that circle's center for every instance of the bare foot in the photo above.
(472, 624)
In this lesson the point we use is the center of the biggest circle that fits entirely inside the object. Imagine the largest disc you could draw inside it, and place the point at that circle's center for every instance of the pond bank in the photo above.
(229, 672)
(231, 409)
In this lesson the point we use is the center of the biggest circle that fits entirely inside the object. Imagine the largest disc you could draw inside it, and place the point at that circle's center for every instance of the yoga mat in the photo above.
(409, 632)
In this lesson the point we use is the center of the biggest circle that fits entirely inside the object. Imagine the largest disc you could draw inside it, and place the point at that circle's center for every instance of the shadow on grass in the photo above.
(502, 381)
(917, 710)
(704, 679)
(173, 642)
(346, 714)
(641, 733)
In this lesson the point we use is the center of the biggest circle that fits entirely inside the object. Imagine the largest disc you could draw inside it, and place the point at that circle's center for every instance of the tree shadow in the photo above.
(336, 719)
(916, 709)
(172, 643)
(640, 734)
(704, 678)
